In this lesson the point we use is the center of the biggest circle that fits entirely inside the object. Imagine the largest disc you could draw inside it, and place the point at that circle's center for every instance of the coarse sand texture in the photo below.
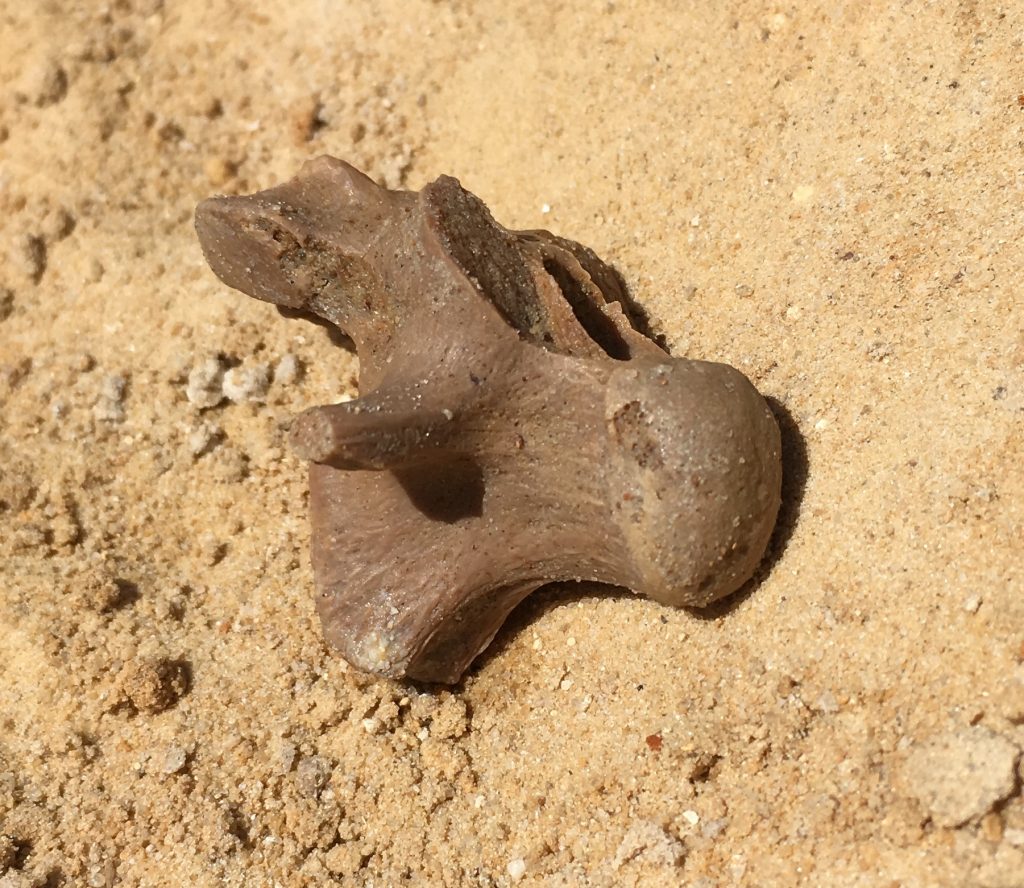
(827, 197)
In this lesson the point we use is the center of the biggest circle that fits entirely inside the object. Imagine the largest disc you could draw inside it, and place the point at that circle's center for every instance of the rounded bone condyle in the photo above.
(516, 428)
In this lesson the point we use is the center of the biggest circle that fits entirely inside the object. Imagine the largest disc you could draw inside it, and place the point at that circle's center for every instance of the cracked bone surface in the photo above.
(514, 427)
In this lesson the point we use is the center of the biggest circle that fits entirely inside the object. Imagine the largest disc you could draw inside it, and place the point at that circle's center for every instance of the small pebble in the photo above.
(46, 83)
(153, 685)
(744, 291)
(98, 590)
(962, 775)
(218, 170)
(972, 604)
(992, 827)
(311, 775)
(243, 384)
(285, 757)
(58, 223)
(28, 255)
(714, 828)
(516, 868)
(691, 817)
(288, 370)
(305, 120)
(94, 270)
(109, 405)
(174, 760)
(204, 439)
(205, 383)
(210, 549)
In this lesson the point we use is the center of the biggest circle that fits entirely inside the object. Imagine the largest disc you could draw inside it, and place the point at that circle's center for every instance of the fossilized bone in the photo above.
(513, 428)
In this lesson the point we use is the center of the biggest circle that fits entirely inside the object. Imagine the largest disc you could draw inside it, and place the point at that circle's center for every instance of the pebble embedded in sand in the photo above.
(204, 438)
(516, 868)
(284, 757)
(288, 370)
(153, 685)
(205, 383)
(218, 170)
(174, 759)
(109, 406)
(311, 775)
(99, 591)
(28, 255)
(962, 775)
(242, 384)
(803, 194)
(45, 83)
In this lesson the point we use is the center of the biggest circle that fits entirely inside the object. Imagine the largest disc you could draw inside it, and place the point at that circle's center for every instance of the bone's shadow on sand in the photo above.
(795, 469)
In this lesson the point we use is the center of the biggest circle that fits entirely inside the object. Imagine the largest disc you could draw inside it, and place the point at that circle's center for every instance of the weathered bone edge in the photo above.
(514, 426)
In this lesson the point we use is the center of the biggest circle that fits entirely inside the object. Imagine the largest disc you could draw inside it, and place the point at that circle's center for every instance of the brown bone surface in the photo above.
(513, 428)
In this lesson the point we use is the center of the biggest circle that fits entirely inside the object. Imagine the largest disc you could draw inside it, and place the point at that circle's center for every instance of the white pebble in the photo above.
(174, 760)
(691, 817)
(516, 868)
(247, 383)
(288, 370)
(972, 604)
(205, 383)
(204, 439)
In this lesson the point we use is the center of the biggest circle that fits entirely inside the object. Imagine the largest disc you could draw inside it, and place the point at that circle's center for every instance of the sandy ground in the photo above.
(828, 196)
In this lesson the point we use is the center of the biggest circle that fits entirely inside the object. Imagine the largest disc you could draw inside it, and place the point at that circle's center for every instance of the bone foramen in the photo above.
(514, 427)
